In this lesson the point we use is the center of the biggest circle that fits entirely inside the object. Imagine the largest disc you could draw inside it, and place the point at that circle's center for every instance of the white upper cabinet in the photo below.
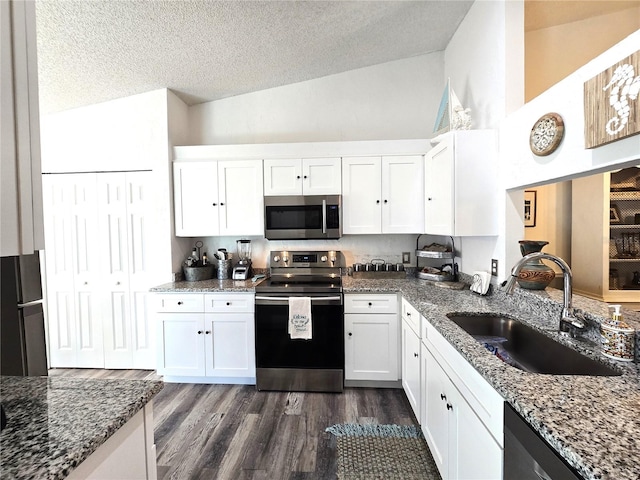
(306, 176)
(218, 198)
(22, 229)
(383, 194)
(460, 178)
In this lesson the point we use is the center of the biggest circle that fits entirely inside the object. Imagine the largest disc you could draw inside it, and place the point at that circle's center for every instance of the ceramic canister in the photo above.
(618, 341)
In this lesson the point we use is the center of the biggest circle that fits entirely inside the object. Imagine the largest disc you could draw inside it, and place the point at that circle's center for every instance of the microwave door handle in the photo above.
(324, 216)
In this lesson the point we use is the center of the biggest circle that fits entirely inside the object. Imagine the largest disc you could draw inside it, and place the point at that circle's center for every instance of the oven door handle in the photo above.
(263, 300)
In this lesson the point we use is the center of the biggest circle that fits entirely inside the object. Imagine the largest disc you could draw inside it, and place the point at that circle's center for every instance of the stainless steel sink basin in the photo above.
(527, 349)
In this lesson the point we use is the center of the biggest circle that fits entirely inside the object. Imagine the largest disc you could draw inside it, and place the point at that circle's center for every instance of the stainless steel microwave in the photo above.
(293, 217)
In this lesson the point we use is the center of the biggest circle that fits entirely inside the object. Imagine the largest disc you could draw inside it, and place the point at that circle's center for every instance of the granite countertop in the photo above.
(206, 286)
(55, 423)
(592, 422)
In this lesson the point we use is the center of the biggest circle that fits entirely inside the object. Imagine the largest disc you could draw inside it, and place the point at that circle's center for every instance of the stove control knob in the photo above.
(323, 258)
(285, 259)
(276, 258)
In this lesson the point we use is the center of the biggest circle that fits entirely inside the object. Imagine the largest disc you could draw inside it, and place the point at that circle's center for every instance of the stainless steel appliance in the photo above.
(22, 342)
(283, 363)
(242, 270)
(302, 217)
(527, 456)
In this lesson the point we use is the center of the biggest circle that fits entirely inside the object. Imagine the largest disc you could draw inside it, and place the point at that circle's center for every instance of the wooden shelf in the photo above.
(624, 260)
(624, 196)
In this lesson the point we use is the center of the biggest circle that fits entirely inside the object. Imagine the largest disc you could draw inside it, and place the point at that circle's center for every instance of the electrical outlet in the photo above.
(494, 267)
(406, 257)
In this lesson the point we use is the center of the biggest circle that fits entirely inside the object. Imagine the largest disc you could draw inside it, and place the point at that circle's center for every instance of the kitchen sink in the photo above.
(525, 348)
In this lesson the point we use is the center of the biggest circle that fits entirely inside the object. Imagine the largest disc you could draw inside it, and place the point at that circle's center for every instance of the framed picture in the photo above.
(530, 208)
(614, 214)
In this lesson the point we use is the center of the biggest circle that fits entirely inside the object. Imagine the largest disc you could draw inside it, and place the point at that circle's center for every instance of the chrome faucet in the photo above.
(569, 322)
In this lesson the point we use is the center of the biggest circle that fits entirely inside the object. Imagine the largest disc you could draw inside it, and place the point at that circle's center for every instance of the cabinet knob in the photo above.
(408, 314)
(199, 332)
(214, 204)
(377, 201)
(228, 303)
(179, 303)
(370, 304)
(304, 177)
(207, 332)
(298, 177)
(415, 355)
(443, 396)
(86, 283)
(449, 406)
(222, 204)
(117, 283)
(350, 334)
(385, 201)
(429, 199)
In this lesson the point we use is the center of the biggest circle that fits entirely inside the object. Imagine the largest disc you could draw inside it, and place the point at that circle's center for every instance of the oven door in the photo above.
(308, 217)
(289, 364)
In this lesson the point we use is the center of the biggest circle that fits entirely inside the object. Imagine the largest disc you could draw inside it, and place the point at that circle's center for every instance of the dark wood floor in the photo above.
(236, 432)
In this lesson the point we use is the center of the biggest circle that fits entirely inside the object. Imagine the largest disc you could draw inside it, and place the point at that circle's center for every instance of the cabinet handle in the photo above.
(415, 355)
(199, 332)
(179, 303)
(449, 406)
(443, 396)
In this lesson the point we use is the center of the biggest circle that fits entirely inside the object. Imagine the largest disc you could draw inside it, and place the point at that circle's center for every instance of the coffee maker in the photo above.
(242, 270)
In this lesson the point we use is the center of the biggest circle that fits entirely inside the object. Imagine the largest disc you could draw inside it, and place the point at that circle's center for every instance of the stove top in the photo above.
(303, 272)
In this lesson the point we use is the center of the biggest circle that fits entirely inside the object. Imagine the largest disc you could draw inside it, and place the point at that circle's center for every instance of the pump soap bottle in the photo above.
(618, 338)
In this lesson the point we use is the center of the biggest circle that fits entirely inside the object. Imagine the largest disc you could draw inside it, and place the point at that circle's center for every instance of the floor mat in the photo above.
(382, 452)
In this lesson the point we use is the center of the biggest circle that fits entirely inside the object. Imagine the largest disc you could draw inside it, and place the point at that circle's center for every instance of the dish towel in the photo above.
(300, 317)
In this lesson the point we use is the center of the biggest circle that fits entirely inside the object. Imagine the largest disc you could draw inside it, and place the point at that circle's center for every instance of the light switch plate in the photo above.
(406, 257)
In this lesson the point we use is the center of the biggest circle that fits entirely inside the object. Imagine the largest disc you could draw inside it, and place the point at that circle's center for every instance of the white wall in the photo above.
(395, 100)
(123, 134)
(484, 61)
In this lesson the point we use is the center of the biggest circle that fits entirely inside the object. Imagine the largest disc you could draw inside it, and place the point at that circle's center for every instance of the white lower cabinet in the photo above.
(461, 414)
(371, 337)
(206, 336)
(411, 357)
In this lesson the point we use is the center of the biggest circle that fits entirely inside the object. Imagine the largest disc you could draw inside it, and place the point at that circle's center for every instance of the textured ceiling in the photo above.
(91, 51)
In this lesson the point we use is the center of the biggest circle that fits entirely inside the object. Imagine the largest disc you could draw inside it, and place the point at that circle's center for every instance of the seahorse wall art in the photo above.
(612, 103)
(624, 87)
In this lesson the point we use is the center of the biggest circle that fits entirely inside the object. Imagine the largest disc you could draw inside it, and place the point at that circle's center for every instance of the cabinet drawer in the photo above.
(367, 303)
(228, 302)
(412, 317)
(179, 302)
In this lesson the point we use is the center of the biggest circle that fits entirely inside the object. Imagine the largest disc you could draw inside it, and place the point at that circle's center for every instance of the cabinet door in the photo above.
(361, 195)
(402, 194)
(411, 367)
(181, 344)
(241, 198)
(474, 452)
(283, 176)
(436, 423)
(321, 176)
(439, 194)
(371, 347)
(230, 345)
(195, 186)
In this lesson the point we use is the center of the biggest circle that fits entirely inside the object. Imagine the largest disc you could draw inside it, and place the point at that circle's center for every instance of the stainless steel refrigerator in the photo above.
(22, 333)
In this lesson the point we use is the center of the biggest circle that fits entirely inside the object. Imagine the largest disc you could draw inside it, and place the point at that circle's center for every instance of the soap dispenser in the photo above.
(618, 339)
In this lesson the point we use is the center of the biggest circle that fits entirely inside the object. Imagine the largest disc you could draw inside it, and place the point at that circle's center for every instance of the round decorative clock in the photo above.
(546, 134)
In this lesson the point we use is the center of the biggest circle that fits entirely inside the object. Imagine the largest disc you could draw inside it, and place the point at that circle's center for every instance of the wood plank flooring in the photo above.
(235, 432)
